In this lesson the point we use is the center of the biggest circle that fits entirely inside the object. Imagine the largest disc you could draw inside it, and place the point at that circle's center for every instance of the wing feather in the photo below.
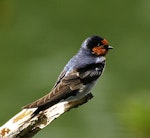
(63, 88)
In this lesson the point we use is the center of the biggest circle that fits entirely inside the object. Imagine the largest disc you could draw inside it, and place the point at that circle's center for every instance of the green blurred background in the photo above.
(37, 38)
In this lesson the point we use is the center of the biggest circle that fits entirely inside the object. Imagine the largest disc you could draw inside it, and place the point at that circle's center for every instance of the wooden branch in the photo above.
(23, 125)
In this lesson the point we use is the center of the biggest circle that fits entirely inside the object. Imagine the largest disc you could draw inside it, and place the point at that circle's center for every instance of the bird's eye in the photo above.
(105, 46)
(98, 44)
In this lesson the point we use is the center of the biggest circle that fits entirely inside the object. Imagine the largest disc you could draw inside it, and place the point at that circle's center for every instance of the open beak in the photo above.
(110, 47)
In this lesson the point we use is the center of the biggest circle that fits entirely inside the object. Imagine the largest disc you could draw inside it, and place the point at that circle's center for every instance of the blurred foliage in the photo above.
(135, 113)
(37, 38)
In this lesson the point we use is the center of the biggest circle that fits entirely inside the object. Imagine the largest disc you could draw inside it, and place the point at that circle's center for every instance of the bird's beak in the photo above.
(110, 47)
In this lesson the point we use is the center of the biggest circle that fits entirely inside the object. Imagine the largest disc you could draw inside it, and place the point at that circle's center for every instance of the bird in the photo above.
(78, 76)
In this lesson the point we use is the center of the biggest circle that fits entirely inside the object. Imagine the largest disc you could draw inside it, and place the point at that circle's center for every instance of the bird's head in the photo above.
(97, 45)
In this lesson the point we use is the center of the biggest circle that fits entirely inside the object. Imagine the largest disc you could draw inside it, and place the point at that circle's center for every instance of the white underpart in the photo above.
(85, 89)
(100, 59)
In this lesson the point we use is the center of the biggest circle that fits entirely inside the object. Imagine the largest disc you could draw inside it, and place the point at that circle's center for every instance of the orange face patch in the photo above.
(99, 50)
(104, 42)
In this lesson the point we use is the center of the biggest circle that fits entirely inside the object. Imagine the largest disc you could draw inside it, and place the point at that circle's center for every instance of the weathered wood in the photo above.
(23, 125)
